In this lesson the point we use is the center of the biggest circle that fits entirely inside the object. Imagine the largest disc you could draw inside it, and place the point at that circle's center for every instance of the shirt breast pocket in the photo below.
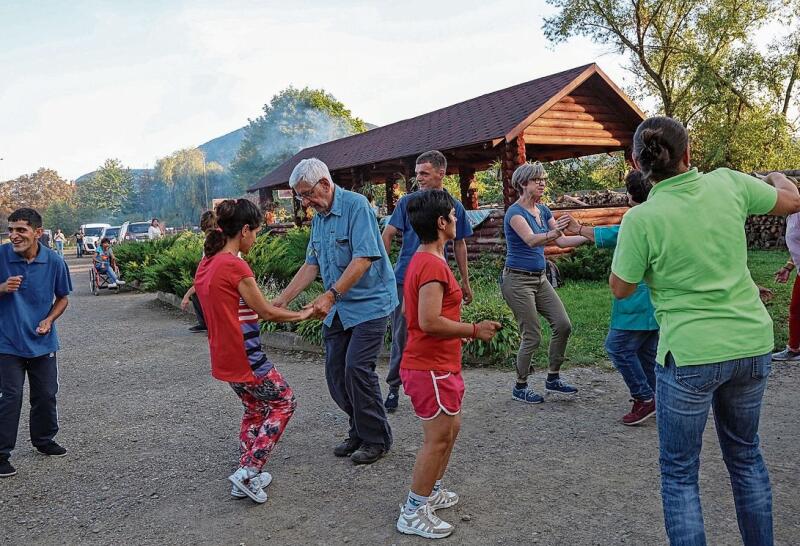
(343, 254)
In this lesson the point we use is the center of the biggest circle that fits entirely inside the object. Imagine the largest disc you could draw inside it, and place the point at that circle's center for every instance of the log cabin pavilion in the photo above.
(574, 113)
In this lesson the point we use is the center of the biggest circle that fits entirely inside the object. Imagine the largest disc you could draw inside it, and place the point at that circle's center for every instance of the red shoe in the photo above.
(640, 412)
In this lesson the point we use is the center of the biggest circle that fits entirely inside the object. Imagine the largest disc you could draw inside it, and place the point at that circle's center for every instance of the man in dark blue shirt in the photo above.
(34, 284)
(430, 170)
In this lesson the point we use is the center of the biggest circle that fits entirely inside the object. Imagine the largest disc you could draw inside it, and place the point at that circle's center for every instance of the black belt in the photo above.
(524, 272)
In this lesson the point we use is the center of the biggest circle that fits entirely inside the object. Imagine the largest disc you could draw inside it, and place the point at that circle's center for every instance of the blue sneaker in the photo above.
(558, 386)
(526, 395)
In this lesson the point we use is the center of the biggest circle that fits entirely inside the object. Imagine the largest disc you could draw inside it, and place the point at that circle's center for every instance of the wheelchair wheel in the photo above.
(93, 282)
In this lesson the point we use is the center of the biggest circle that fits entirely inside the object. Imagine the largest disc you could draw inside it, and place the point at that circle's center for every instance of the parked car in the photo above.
(112, 234)
(92, 233)
(134, 231)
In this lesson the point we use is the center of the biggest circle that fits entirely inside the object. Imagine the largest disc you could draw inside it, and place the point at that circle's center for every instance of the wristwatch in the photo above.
(337, 296)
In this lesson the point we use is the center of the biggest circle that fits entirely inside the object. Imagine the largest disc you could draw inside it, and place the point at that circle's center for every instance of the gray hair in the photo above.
(527, 171)
(311, 171)
(435, 158)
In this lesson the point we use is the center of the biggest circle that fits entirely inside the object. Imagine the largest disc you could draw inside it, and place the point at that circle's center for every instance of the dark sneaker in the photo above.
(197, 328)
(52, 450)
(347, 448)
(392, 399)
(526, 395)
(640, 412)
(558, 386)
(367, 453)
(786, 355)
(6, 469)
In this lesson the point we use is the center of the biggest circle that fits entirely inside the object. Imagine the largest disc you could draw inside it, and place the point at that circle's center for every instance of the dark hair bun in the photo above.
(659, 145)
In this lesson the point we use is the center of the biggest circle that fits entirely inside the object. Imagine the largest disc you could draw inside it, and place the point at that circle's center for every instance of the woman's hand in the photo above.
(574, 227)
(306, 313)
(485, 330)
(563, 222)
(185, 302)
(782, 275)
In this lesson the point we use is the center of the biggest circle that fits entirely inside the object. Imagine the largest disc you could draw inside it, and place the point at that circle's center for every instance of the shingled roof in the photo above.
(484, 120)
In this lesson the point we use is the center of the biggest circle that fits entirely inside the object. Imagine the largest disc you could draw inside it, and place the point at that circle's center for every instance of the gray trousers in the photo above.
(399, 335)
(528, 297)
(350, 357)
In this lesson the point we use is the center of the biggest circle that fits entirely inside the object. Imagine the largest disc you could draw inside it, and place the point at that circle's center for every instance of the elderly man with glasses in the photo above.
(346, 250)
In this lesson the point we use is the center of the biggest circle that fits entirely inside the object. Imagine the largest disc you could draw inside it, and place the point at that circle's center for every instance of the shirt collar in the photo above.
(336, 206)
(675, 182)
(41, 256)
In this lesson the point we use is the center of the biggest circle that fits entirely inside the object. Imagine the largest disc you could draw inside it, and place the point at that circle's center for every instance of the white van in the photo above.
(92, 233)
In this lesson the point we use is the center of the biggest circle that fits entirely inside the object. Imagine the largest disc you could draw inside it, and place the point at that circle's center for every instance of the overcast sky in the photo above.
(82, 81)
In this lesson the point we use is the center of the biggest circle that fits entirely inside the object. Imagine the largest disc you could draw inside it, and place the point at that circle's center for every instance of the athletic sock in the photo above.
(413, 502)
(521, 385)
(552, 376)
(436, 487)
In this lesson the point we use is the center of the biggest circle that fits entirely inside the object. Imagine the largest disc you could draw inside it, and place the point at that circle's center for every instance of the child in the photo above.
(232, 304)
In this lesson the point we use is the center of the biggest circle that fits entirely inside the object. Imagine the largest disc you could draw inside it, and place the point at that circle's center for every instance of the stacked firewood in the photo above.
(765, 232)
(601, 198)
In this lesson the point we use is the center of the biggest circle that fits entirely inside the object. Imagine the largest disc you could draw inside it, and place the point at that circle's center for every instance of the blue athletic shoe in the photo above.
(559, 387)
(526, 395)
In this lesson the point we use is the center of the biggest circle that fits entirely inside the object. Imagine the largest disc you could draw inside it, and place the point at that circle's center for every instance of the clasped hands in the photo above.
(317, 309)
(567, 225)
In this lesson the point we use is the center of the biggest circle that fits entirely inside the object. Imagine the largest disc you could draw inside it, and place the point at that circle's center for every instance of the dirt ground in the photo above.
(152, 437)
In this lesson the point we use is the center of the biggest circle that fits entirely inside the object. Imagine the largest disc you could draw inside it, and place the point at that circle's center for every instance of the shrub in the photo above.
(311, 331)
(586, 262)
(134, 258)
(279, 256)
(490, 305)
(173, 269)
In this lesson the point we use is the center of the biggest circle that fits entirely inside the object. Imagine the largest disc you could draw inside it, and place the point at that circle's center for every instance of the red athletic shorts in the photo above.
(433, 392)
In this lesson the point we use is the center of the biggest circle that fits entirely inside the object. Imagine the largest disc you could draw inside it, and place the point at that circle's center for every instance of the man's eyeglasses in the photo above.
(308, 193)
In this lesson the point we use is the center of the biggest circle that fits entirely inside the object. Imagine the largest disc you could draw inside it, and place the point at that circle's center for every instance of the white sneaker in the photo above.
(120, 282)
(112, 285)
(443, 499)
(244, 479)
(264, 479)
(424, 522)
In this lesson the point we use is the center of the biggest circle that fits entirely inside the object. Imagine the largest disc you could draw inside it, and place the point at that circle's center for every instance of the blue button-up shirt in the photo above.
(350, 230)
(44, 279)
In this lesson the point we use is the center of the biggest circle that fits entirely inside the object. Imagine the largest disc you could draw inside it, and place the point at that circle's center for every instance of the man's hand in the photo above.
(322, 305)
(466, 290)
(280, 302)
(486, 329)
(573, 227)
(782, 275)
(44, 327)
(11, 285)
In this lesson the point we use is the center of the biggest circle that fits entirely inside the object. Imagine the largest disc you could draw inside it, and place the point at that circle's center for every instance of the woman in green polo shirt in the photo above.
(688, 243)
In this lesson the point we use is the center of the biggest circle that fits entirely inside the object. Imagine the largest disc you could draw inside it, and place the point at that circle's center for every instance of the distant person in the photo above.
(155, 230)
(79, 248)
(59, 239)
(34, 287)
(688, 242)
(430, 171)
(792, 351)
(207, 223)
(373, 206)
(233, 302)
(632, 340)
(106, 263)
(345, 249)
(45, 239)
(431, 366)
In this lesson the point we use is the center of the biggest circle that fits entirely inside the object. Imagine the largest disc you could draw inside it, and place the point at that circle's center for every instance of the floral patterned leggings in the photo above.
(268, 405)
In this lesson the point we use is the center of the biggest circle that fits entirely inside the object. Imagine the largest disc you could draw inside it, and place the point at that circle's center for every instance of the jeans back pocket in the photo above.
(698, 378)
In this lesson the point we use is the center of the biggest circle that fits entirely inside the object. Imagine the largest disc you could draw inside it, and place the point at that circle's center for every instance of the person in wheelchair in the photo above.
(106, 264)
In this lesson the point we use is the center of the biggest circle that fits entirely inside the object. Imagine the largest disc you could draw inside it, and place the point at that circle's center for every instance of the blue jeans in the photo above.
(350, 357)
(399, 335)
(633, 353)
(108, 272)
(683, 397)
(60, 248)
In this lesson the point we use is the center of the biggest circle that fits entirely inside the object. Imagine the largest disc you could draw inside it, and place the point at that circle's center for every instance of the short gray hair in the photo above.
(311, 171)
(526, 172)
(435, 158)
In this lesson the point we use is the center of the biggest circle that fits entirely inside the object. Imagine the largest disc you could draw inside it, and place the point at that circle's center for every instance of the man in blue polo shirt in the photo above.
(346, 249)
(34, 284)
(430, 170)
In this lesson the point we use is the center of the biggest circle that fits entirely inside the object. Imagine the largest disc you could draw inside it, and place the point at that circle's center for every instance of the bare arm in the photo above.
(620, 288)
(565, 241)
(255, 300)
(299, 282)
(521, 228)
(59, 306)
(355, 270)
(433, 323)
(460, 250)
(388, 235)
(186, 297)
(788, 196)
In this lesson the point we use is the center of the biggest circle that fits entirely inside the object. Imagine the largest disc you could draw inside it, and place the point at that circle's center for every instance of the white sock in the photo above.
(413, 502)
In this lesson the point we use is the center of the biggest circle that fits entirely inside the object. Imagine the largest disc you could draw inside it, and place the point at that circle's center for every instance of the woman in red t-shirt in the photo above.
(431, 365)
(232, 304)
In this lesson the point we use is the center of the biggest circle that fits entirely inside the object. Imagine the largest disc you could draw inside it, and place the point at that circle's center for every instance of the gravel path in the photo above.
(152, 437)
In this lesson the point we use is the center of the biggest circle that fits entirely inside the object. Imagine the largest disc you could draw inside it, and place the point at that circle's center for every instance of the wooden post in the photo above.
(513, 157)
(299, 213)
(391, 193)
(265, 198)
(469, 194)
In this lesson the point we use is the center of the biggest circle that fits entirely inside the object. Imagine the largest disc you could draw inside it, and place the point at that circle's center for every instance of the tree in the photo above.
(62, 215)
(37, 190)
(294, 119)
(107, 190)
(187, 176)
